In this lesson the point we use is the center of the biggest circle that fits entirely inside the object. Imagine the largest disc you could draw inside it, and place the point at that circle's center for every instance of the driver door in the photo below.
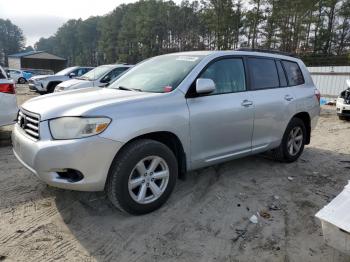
(221, 123)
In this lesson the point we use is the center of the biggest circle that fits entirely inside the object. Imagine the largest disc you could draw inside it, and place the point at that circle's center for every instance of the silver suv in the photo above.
(47, 83)
(167, 115)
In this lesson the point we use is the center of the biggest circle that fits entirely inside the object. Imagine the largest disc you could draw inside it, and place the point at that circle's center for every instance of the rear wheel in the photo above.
(142, 177)
(293, 142)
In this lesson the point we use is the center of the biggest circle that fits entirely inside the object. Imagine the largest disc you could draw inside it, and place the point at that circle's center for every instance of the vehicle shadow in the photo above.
(207, 217)
(5, 135)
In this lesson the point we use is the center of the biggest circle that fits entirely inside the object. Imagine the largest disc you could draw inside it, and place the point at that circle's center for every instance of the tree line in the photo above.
(11, 39)
(133, 32)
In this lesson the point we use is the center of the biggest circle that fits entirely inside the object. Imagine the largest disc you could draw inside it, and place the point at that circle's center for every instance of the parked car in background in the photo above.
(98, 77)
(47, 83)
(343, 103)
(165, 116)
(8, 102)
(18, 76)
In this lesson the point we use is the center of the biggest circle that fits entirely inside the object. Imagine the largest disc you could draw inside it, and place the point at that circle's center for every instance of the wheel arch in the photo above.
(172, 141)
(52, 83)
(305, 117)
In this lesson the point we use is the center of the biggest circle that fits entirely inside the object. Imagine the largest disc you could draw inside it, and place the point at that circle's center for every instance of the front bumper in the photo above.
(343, 109)
(91, 156)
(36, 86)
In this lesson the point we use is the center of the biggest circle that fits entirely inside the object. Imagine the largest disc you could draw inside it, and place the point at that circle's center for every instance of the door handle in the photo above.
(288, 97)
(246, 103)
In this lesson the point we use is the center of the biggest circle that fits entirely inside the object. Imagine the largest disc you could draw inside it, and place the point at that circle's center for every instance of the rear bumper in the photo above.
(8, 109)
(45, 158)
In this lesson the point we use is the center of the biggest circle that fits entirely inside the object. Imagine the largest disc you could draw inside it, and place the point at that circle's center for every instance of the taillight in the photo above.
(7, 88)
(318, 95)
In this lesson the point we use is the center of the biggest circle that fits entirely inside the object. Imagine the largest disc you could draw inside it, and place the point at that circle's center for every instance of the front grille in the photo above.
(29, 122)
(346, 112)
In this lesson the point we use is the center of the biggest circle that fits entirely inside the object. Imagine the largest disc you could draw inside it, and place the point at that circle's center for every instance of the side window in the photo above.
(263, 73)
(227, 74)
(85, 70)
(294, 74)
(80, 72)
(281, 74)
(113, 74)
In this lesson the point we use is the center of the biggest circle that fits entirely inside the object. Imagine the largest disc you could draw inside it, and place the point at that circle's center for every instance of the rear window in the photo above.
(263, 73)
(294, 74)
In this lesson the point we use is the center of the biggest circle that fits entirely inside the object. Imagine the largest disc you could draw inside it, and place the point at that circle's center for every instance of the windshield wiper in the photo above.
(129, 89)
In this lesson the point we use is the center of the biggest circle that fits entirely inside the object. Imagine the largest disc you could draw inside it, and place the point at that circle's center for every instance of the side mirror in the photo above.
(205, 86)
(71, 75)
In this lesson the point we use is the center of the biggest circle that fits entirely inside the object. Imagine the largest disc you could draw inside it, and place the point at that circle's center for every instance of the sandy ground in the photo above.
(206, 219)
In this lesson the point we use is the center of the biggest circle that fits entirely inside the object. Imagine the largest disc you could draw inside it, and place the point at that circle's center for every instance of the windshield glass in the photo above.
(96, 73)
(65, 71)
(159, 74)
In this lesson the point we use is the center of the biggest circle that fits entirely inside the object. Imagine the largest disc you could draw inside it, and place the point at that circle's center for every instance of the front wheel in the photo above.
(21, 80)
(293, 142)
(142, 177)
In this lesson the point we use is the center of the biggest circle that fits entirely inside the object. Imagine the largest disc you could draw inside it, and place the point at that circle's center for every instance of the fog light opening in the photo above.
(71, 175)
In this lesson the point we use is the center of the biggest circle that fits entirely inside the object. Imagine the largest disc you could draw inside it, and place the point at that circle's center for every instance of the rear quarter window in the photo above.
(294, 75)
(263, 73)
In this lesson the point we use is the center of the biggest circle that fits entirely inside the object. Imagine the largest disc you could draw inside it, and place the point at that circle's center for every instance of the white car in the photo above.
(8, 102)
(98, 77)
(47, 83)
(18, 76)
(343, 103)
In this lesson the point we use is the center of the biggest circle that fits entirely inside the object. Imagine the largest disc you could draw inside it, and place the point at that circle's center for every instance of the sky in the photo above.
(41, 18)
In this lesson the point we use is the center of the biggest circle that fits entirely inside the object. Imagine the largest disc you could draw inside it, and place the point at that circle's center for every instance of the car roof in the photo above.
(116, 65)
(237, 52)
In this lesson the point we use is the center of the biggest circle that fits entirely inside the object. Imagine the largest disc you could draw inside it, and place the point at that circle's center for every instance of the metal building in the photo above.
(330, 80)
(36, 60)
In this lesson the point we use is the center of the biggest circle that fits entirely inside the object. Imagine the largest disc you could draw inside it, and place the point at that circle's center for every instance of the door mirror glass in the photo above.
(205, 86)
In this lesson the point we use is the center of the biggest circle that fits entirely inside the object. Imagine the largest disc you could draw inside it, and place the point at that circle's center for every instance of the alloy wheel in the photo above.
(295, 141)
(148, 179)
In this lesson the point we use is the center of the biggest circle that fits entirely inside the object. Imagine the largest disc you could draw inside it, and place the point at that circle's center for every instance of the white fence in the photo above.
(330, 80)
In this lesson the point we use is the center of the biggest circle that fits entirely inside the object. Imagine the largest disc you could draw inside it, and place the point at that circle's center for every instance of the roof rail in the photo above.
(270, 51)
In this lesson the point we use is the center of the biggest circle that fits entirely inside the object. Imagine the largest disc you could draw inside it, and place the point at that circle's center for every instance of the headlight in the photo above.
(77, 127)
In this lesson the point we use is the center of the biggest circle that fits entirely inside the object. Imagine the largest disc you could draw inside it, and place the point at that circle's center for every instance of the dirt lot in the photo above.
(206, 219)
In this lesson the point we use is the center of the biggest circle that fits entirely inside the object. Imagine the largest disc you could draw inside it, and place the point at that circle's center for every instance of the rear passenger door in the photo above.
(221, 123)
(273, 101)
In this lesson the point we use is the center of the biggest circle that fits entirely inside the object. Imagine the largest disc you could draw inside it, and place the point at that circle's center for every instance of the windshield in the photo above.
(65, 71)
(96, 73)
(159, 74)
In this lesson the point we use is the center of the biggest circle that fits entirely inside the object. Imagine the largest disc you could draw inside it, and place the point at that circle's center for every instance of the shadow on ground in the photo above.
(207, 217)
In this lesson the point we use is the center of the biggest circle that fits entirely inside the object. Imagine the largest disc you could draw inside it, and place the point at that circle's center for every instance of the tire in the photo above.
(21, 80)
(342, 118)
(283, 152)
(123, 170)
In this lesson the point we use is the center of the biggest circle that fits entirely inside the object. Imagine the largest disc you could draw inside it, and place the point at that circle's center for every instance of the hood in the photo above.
(40, 77)
(80, 102)
(70, 83)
